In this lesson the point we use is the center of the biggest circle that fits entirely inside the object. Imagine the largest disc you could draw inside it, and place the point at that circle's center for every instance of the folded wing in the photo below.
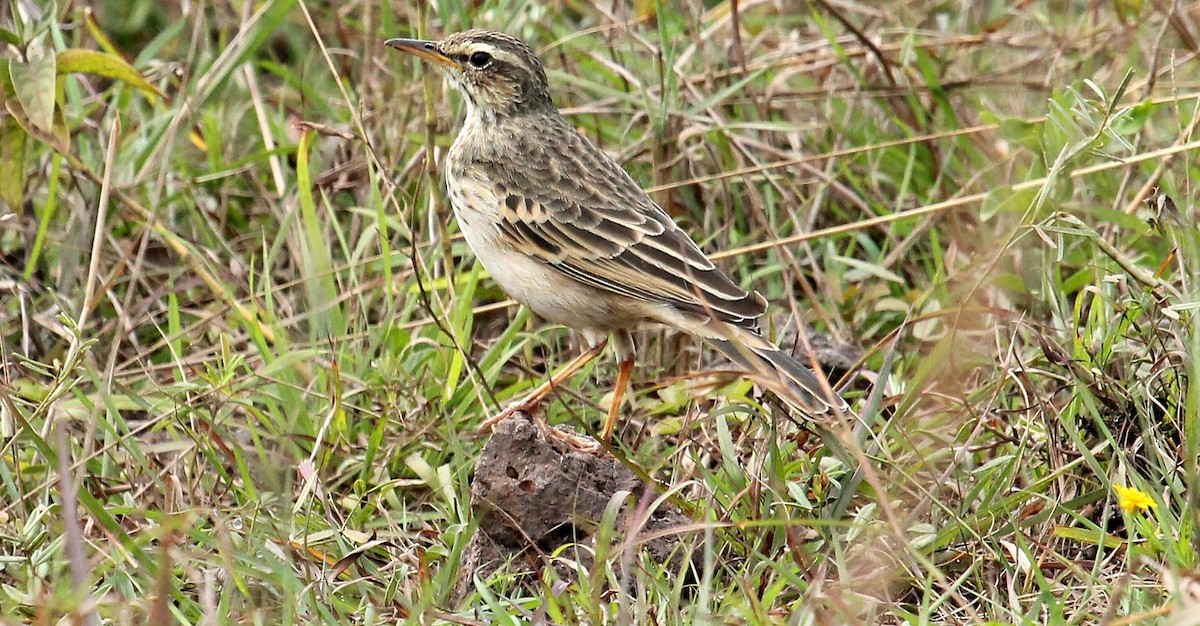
(585, 216)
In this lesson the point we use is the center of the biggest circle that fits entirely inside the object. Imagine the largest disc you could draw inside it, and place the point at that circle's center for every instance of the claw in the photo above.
(578, 443)
(554, 436)
(523, 406)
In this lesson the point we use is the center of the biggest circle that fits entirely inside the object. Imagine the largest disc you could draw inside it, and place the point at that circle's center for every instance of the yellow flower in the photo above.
(1132, 500)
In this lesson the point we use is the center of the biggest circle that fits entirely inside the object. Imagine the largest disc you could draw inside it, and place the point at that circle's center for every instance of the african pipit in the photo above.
(567, 232)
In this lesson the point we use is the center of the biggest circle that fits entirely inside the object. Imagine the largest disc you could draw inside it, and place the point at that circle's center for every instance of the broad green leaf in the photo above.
(1021, 132)
(56, 135)
(9, 37)
(33, 85)
(79, 61)
(1134, 118)
(12, 164)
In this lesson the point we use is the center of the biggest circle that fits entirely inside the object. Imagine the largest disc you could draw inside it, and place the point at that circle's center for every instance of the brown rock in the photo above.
(532, 497)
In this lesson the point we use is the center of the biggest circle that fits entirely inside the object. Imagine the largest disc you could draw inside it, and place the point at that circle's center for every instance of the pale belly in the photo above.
(549, 293)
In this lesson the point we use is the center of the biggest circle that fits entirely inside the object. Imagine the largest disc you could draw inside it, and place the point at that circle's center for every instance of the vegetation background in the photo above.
(243, 351)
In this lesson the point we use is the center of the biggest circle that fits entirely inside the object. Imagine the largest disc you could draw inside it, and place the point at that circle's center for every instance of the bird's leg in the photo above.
(624, 349)
(530, 401)
(624, 370)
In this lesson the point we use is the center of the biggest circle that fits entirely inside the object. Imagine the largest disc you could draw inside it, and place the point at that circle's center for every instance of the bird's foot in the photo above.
(571, 441)
(562, 439)
(521, 406)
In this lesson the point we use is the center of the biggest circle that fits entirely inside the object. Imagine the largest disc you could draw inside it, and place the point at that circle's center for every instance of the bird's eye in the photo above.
(480, 60)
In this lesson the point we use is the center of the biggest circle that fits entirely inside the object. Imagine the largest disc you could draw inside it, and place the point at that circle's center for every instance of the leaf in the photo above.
(10, 38)
(288, 360)
(1021, 132)
(12, 164)
(89, 18)
(1134, 118)
(317, 269)
(33, 85)
(51, 136)
(79, 61)
(59, 130)
(1089, 536)
(861, 269)
(1128, 9)
(1005, 199)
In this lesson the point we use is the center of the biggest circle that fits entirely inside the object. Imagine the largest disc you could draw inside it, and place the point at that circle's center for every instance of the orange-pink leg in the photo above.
(624, 370)
(530, 401)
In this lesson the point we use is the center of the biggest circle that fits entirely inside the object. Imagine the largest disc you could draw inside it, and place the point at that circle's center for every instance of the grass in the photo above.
(242, 359)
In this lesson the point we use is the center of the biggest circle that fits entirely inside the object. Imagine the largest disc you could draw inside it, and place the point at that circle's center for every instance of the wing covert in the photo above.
(584, 215)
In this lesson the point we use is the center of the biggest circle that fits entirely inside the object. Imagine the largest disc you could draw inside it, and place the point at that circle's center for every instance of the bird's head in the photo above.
(497, 73)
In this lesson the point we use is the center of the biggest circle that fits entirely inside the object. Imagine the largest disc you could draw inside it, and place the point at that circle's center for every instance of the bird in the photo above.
(566, 231)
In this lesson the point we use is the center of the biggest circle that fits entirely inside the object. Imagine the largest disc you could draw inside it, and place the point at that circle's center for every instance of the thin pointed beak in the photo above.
(422, 49)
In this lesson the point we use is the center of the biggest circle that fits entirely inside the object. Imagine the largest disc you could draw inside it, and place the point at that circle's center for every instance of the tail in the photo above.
(779, 372)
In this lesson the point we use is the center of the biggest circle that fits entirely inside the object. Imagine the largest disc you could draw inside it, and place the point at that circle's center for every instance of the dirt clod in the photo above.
(533, 497)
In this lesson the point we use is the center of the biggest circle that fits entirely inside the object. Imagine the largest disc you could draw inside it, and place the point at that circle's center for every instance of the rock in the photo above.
(532, 497)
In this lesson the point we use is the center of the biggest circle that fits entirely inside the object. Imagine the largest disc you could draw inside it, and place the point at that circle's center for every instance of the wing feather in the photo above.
(585, 216)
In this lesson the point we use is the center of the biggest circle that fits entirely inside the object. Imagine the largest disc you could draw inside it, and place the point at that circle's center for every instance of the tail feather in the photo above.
(782, 374)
